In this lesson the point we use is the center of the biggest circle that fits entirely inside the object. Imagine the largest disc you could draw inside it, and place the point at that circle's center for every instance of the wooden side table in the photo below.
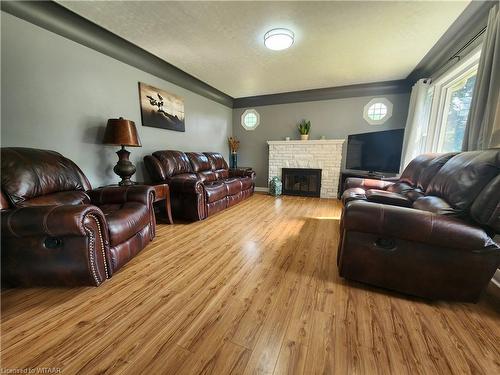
(162, 192)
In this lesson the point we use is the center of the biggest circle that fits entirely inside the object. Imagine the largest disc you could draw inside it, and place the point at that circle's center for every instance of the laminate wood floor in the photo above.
(253, 289)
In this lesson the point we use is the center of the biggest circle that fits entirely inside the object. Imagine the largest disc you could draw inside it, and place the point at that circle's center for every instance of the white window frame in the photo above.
(243, 119)
(387, 116)
(440, 88)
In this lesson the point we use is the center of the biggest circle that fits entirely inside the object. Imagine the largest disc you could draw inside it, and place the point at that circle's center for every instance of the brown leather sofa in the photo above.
(57, 231)
(440, 245)
(201, 184)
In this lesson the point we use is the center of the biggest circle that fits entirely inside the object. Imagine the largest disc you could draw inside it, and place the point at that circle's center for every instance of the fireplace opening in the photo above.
(304, 182)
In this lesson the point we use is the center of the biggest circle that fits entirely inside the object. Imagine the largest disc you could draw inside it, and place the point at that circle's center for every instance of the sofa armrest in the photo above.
(121, 194)
(185, 183)
(366, 183)
(387, 197)
(415, 225)
(241, 172)
(54, 245)
(62, 220)
(155, 168)
(391, 179)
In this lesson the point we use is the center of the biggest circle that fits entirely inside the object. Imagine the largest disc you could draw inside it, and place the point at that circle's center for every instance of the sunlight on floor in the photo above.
(336, 217)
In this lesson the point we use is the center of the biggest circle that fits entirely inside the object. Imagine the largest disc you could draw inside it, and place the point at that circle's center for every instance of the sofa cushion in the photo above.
(199, 161)
(125, 220)
(412, 172)
(206, 176)
(217, 160)
(464, 176)
(399, 187)
(436, 205)
(433, 167)
(62, 198)
(221, 174)
(233, 185)
(173, 162)
(215, 191)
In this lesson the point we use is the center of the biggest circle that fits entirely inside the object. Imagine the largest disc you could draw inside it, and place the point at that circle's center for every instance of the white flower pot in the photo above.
(304, 137)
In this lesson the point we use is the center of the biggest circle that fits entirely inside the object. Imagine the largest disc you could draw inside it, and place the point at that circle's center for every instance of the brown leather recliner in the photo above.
(201, 184)
(402, 191)
(57, 231)
(441, 247)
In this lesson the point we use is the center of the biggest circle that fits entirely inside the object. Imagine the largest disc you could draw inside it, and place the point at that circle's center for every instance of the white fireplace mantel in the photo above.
(324, 154)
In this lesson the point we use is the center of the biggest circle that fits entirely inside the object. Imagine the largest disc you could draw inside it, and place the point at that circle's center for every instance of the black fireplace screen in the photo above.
(302, 181)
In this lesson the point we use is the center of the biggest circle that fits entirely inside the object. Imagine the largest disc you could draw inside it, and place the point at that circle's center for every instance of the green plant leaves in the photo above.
(304, 127)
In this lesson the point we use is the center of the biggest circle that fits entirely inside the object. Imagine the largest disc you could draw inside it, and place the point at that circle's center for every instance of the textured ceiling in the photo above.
(337, 43)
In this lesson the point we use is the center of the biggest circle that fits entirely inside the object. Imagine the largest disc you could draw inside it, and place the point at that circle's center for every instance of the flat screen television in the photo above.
(375, 152)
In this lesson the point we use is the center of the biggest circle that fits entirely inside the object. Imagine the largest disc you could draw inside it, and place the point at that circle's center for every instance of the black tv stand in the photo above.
(346, 173)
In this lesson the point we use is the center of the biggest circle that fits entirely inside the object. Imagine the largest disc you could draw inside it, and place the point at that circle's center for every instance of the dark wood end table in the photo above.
(162, 192)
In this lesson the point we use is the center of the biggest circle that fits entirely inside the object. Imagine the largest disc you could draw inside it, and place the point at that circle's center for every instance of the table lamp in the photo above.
(121, 132)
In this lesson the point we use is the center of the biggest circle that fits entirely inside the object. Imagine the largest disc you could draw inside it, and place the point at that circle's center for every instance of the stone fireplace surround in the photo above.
(322, 154)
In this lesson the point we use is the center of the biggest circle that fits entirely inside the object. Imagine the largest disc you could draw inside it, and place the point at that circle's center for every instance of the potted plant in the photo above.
(304, 128)
(234, 144)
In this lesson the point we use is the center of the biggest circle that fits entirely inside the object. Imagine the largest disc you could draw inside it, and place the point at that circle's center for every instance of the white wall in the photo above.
(58, 95)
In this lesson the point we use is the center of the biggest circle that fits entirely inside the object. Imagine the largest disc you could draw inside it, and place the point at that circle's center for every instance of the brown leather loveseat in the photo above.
(440, 244)
(57, 231)
(201, 184)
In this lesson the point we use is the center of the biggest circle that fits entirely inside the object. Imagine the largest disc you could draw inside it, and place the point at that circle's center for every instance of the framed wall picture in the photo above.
(160, 109)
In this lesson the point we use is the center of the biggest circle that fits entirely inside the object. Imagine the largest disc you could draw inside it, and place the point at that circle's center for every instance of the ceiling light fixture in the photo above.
(278, 39)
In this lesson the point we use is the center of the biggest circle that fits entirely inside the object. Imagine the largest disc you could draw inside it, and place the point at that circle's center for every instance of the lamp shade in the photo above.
(121, 132)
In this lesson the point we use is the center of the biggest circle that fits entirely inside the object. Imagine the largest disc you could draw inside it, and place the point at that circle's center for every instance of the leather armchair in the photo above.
(56, 230)
(416, 252)
(441, 246)
(201, 184)
(401, 191)
(54, 245)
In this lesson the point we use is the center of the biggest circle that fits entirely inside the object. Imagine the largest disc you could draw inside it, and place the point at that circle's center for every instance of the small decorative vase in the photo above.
(304, 137)
(233, 161)
(275, 186)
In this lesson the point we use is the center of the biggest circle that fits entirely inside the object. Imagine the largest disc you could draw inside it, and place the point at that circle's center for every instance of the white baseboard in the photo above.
(263, 189)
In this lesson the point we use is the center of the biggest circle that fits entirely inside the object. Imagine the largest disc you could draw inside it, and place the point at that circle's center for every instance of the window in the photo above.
(458, 100)
(377, 111)
(250, 119)
(450, 97)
